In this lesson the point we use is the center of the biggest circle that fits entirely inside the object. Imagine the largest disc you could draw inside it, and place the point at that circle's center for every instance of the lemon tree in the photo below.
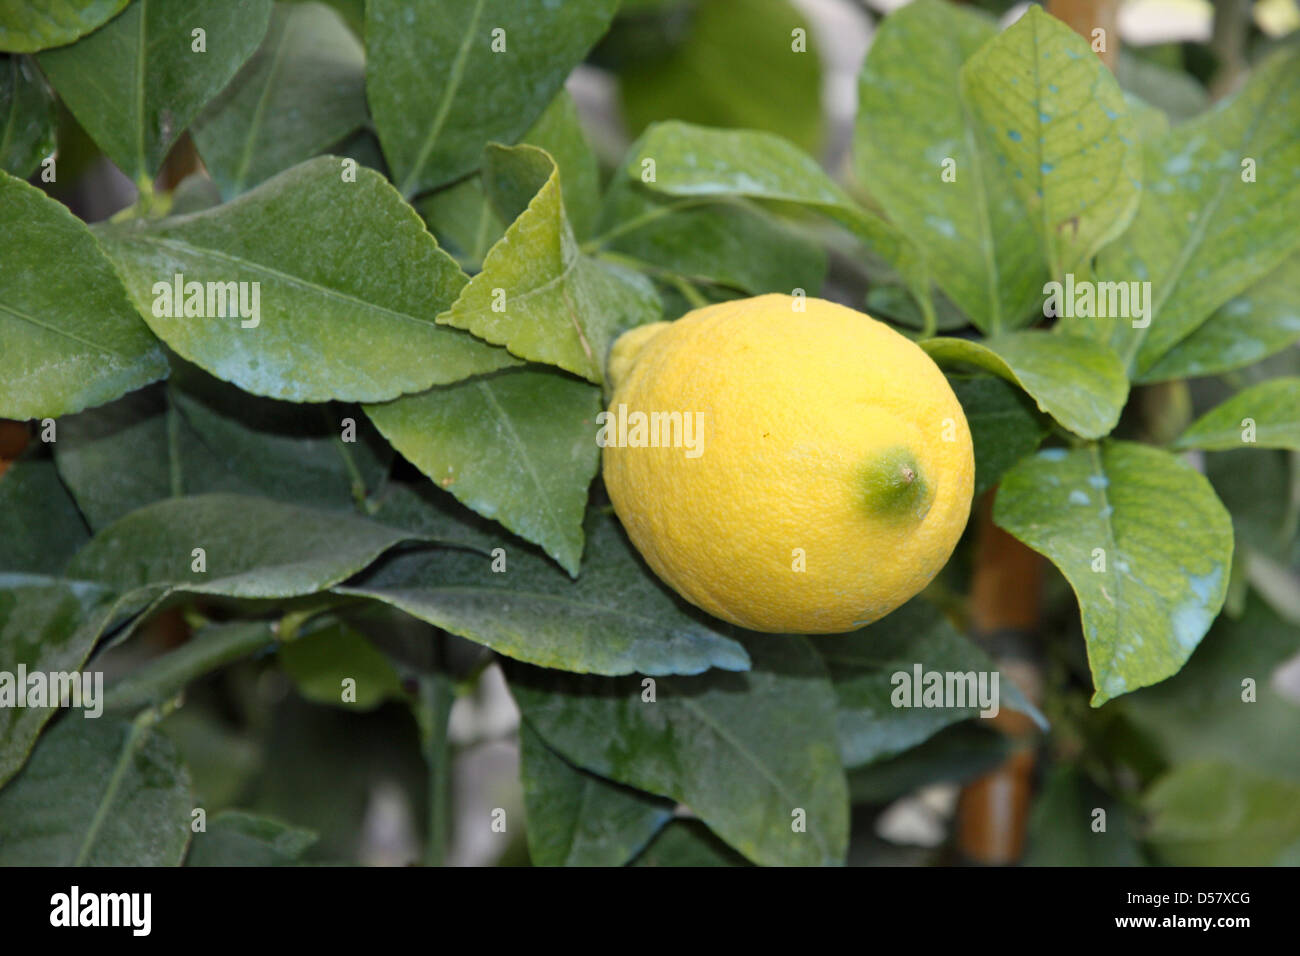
(398, 382)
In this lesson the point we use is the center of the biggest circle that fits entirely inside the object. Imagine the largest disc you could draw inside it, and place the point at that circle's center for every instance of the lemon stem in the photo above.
(894, 487)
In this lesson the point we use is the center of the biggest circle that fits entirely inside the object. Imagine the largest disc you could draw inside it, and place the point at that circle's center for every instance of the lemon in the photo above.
(788, 465)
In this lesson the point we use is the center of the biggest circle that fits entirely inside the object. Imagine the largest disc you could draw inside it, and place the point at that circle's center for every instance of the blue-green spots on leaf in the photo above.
(1148, 569)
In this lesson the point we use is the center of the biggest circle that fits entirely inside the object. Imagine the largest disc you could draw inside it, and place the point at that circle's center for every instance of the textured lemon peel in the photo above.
(776, 526)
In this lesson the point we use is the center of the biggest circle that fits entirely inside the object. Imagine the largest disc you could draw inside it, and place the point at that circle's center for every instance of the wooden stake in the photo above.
(1005, 606)
(1085, 16)
(13, 439)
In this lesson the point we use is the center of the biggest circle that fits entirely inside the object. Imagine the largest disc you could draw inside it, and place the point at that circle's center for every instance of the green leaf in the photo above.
(1272, 409)
(425, 511)
(464, 221)
(121, 456)
(435, 694)
(349, 315)
(30, 25)
(207, 650)
(980, 243)
(1213, 814)
(1205, 233)
(97, 793)
(71, 337)
(538, 295)
(195, 193)
(518, 447)
(1061, 826)
(1166, 543)
(955, 754)
(236, 838)
(199, 435)
(323, 456)
(890, 301)
(697, 161)
(744, 752)
(318, 663)
(302, 92)
(136, 84)
(576, 818)
(727, 242)
(1151, 124)
(692, 161)
(363, 146)
(253, 548)
(40, 620)
(864, 668)
(1004, 426)
(1246, 329)
(222, 760)
(736, 67)
(468, 223)
(631, 300)
(559, 131)
(438, 91)
(1172, 91)
(1252, 483)
(27, 117)
(40, 527)
(1077, 381)
(1204, 711)
(531, 295)
(614, 619)
(60, 620)
(1056, 123)
(684, 843)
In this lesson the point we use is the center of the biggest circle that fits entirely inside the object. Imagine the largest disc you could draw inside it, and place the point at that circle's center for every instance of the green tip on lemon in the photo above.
(894, 487)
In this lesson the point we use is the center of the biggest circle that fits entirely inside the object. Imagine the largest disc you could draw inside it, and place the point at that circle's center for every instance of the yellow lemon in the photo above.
(788, 465)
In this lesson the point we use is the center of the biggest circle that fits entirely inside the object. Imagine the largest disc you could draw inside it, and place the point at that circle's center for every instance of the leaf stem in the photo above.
(174, 473)
(929, 318)
(433, 712)
(141, 726)
(207, 651)
(596, 244)
(355, 478)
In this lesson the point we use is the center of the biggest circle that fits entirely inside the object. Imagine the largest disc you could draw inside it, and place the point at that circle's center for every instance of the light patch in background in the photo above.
(1142, 22)
(489, 713)
(840, 33)
(388, 836)
(920, 819)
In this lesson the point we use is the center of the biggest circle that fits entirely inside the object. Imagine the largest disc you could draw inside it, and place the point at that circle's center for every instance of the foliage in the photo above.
(386, 473)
